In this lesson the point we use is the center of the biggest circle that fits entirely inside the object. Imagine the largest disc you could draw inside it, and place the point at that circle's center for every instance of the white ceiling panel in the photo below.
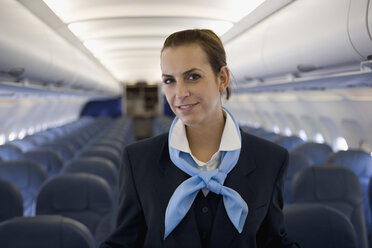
(126, 35)
(134, 26)
(78, 10)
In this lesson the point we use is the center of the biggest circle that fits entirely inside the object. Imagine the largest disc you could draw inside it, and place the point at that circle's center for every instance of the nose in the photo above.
(182, 90)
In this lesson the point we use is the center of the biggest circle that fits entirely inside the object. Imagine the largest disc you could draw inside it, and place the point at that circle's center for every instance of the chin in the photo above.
(189, 121)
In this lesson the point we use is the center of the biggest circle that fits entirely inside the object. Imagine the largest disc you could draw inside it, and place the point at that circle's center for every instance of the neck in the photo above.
(204, 140)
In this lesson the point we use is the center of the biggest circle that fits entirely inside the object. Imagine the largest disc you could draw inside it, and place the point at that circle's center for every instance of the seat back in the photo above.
(317, 152)
(360, 163)
(23, 144)
(45, 232)
(102, 151)
(27, 176)
(319, 226)
(9, 152)
(51, 161)
(297, 162)
(333, 186)
(65, 150)
(83, 197)
(11, 201)
(289, 142)
(96, 166)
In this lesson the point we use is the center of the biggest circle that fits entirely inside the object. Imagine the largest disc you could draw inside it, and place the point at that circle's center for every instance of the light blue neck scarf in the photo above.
(183, 197)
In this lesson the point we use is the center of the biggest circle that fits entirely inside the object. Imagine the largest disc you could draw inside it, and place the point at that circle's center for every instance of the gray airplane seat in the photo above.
(37, 139)
(319, 226)
(51, 161)
(82, 197)
(23, 144)
(75, 141)
(27, 176)
(103, 152)
(297, 162)
(9, 152)
(96, 166)
(45, 232)
(333, 186)
(289, 142)
(65, 150)
(317, 152)
(11, 201)
(106, 142)
(360, 163)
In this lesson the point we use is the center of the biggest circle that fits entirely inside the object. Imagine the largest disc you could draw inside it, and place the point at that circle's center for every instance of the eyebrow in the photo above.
(184, 73)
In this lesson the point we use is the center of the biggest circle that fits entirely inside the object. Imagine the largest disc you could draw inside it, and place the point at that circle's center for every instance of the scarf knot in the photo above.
(212, 180)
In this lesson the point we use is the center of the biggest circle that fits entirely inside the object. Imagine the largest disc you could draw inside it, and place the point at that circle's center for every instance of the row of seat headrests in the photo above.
(85, 198)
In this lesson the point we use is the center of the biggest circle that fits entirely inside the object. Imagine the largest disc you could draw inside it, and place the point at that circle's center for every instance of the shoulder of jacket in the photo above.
(259, 144)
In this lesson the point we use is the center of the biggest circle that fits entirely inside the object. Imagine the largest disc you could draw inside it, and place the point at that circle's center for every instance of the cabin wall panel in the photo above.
(314, 112)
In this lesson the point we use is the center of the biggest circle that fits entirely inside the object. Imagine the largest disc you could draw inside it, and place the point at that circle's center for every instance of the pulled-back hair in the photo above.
(208, 41)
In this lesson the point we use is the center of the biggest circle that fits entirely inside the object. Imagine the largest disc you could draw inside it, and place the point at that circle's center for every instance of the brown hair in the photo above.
(208, 41)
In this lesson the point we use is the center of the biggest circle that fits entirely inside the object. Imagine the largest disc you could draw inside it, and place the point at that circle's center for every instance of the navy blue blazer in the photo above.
(149, 178)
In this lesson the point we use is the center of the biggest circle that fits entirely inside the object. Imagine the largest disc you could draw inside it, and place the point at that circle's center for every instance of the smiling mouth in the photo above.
(186, 106)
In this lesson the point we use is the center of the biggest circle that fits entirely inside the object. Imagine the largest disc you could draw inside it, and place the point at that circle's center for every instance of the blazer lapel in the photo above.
(223, 231)
(186, 233)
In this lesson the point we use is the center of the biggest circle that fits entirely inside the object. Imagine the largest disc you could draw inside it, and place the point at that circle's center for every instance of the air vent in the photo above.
(307, 68)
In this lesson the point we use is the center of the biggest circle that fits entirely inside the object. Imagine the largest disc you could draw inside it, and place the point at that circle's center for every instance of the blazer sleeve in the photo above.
(272, 232)
(131, 227)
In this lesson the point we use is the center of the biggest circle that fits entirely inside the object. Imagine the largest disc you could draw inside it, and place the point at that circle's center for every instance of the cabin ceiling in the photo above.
(126, 36)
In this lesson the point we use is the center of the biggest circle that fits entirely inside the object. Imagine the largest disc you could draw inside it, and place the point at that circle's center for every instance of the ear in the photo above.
(224, 78)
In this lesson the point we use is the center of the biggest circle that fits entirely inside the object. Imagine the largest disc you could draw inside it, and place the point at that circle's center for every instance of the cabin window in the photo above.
(287, 131)
(340, 144)
(318, 138)
(256, 124)
(22, 134)
(302, 134)
(366, 147)
(30, 131)
(12, 136)
(276, 129)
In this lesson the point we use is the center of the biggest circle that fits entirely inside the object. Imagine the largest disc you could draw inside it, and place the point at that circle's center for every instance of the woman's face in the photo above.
(190, 85)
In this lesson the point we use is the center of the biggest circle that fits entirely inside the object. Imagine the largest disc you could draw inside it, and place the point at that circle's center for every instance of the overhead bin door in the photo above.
(305, 35)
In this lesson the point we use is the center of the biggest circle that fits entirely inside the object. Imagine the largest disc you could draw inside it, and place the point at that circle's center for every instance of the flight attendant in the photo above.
(206, 183)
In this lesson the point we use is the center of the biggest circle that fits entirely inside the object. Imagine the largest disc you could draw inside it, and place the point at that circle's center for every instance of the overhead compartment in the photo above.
(31, 50)
(306, 35)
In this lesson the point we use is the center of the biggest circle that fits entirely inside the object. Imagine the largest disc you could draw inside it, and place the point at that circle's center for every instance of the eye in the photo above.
(194, 77)
(168, 80)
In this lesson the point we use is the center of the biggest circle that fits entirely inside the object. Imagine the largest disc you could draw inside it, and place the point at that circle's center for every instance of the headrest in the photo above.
(9, 152)
(24, 145)
(63, 149)
(289, 142)
(297, 162)
(313, 225)
(23, 173)
(316, 151)
(94, 165)
(74, 192)
(45, 232)
(105, 152)
(50, 160)
(326, 183)
(358, 161)
(11, 196)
